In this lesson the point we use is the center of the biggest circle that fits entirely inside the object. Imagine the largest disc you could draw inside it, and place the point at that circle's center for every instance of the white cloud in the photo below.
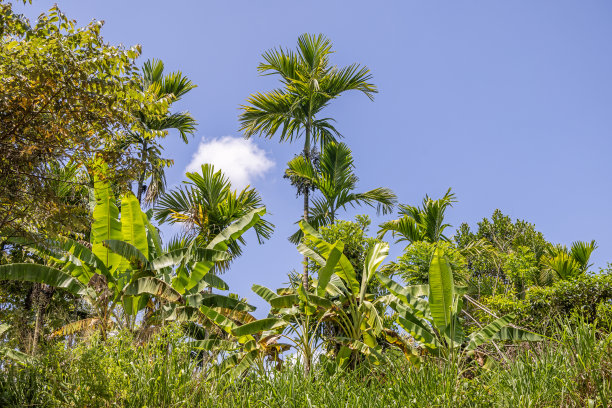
(241, 160)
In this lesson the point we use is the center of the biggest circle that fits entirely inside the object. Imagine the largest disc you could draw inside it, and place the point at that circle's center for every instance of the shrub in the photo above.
(589, 296)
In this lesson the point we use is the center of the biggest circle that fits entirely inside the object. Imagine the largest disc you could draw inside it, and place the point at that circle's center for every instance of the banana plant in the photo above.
(337, 296)
(126, 265)
(244, 341)
(431, 313)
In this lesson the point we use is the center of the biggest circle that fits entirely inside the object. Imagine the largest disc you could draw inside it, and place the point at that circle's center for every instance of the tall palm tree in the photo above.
(309, 84)
(169, 88)
(206, 204)
(333, 175)
(425, 223)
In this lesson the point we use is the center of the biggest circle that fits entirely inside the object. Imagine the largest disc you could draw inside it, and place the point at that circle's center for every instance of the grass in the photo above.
(573, 369)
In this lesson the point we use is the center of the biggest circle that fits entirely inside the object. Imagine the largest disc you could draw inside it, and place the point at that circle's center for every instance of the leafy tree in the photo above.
(309, 84)
(65, 95)
(206, 204)
(522, 271)
(169, 88)
(413, 265)
(354, 236)
(335, 178)
(504, 237)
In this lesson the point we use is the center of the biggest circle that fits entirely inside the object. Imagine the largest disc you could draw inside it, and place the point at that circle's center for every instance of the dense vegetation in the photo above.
(97, 311)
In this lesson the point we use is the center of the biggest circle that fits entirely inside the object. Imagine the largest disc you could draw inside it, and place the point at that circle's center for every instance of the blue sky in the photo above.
(507, 102)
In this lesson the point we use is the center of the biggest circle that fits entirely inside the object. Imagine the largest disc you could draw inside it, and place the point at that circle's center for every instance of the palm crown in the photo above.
(169, 89)
(206, 205)
(309, 84)
(334, 177)
(425, 223)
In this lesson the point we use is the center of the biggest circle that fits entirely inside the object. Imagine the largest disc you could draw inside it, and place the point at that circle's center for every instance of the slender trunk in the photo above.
(306, 365)
(141, 177)
(306, 202)
(305, 273)
(37, 326)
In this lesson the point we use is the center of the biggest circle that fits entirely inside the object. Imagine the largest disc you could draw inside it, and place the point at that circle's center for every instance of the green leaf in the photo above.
(373, 317)
(405, 295)
(286, 301)
(154, 287)
(326, 271)
(155, 246)
(223, 322)
(343, 356)
(245, 363)
(418, 329)
(376, 255)
(263, 292)
(234, 231)
(417, 290)
(487, 333)
(106, 224)
(132, 224)
(136, 259)
(310, 253)
(343, 268)
(441, 290)
(43, 274)
(17, 356)
(258, 326)
(213, 281)
(169, 259)
(83, 254)
(516, 334)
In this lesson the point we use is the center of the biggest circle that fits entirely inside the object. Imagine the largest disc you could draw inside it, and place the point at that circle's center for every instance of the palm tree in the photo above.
(168, 88)
(206, 204)
(333, 175)
(567, 264)
(309, 84)
(425, 223)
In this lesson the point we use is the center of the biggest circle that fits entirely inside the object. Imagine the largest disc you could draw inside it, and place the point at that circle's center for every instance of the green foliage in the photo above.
(167, 89)
(413, 265)
(435, 322)
(335, 179)
(354, 236)
(294, 108)
(588, 296)
(522, 270)
(424, 223)
(206, 204)
(568, 264)
(571, 371)
(65, 95)
(505, 237)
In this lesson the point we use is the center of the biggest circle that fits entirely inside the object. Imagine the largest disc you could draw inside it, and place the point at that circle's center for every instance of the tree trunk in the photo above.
(306, 202)
(305, 273)
(37, 326)
(43, 298)
(141, 177)
(306, 358)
